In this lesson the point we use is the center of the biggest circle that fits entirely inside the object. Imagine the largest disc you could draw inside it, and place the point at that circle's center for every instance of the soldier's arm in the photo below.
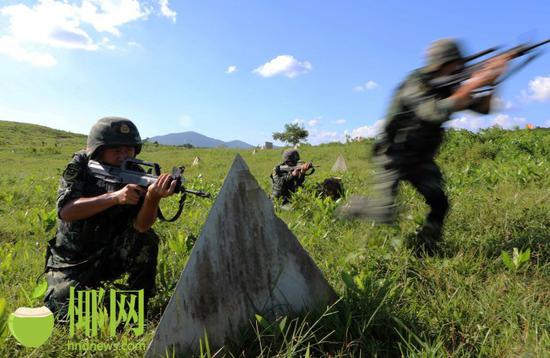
(282, 177)
(433, 109)
(481, 104)
(430, 108)
(72, 205)
(426, 105)
(484, 77)
(147, 214)
(86, 207)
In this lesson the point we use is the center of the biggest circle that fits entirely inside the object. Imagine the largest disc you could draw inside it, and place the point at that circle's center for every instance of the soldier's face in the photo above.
(450, 68)
(291, 162)
(116, 155)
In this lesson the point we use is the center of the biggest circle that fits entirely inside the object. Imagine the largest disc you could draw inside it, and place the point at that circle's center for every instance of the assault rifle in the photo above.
(290, 168)
(125, 174)
(451, 82)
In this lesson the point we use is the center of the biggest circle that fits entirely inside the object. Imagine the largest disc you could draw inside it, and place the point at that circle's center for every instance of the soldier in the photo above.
(103, 233)
(413, 133)
(288, 176)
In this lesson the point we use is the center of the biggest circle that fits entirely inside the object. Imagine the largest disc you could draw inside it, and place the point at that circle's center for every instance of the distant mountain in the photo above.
(197, 140)
(238, 144)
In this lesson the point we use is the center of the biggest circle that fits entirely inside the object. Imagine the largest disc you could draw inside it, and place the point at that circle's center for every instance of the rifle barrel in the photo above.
(524, 50)
(480, 54)
(198, 193)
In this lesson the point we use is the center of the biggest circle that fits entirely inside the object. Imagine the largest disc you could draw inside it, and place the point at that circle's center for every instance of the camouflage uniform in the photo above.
(103, 247)
(410, 140)
(284, 183)
(406, 150)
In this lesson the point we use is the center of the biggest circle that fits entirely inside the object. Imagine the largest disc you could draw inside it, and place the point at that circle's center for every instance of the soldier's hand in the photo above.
(130, 194)
(491, 70)
(296, 172)
(163, 187)
(306, 167)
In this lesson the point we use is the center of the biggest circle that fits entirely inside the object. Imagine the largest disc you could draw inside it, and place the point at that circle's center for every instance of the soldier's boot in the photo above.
(430, 235)
(360, 207)
(427, 241)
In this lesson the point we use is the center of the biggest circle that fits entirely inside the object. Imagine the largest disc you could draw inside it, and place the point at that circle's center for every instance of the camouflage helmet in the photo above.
(112, 132)
(441, 52)
(291, 155)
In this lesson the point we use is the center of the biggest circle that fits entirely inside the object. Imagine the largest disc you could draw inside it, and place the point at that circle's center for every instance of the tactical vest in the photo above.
(79, 241)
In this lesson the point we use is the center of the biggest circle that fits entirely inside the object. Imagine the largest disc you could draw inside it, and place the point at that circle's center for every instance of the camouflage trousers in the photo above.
(425, 177)
(132, 252)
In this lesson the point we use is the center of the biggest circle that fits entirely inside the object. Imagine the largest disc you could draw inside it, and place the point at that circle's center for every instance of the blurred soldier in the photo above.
(288, 176)
(413, 133)
(103, 233)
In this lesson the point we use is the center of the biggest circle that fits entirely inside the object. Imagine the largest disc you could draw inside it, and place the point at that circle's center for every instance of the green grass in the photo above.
(466, 302)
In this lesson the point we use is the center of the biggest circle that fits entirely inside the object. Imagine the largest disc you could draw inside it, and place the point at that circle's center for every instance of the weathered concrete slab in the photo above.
(340, 165)
(246, 261)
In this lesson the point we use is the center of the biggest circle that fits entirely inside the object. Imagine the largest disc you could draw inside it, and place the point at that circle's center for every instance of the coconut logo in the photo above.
(31, 326)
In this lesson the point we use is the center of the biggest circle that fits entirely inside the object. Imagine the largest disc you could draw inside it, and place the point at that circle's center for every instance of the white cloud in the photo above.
(339, 121)
(106, 42)
(231, 69)
(310, 123)
(474, 123)
(367, 131)
(51, 23)
(313, 122)
(166, 11)
(367, 86)
(185, 121)
(11, 48)
(317, 136)
(469, 122)
(546, 124)
(33, 30)
(285, 65)
(371, 85)
(507, 122)
(299, 121)
(109, 15)
(500, 103)
(539, 89)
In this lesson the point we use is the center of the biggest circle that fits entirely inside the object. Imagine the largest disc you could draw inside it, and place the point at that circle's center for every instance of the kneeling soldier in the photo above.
(288, 176)
(102, 233)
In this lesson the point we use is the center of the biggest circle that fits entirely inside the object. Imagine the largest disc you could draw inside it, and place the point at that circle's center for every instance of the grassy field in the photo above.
(468, 301)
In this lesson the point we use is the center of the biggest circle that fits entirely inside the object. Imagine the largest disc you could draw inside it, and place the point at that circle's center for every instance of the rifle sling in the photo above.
(178, 213)
(311, 171)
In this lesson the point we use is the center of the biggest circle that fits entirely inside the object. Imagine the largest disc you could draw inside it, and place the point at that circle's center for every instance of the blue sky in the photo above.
(242, 69)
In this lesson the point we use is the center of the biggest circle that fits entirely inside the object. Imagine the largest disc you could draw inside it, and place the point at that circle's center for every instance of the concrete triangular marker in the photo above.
(196, 161)
(245, 261)
(340, 165)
